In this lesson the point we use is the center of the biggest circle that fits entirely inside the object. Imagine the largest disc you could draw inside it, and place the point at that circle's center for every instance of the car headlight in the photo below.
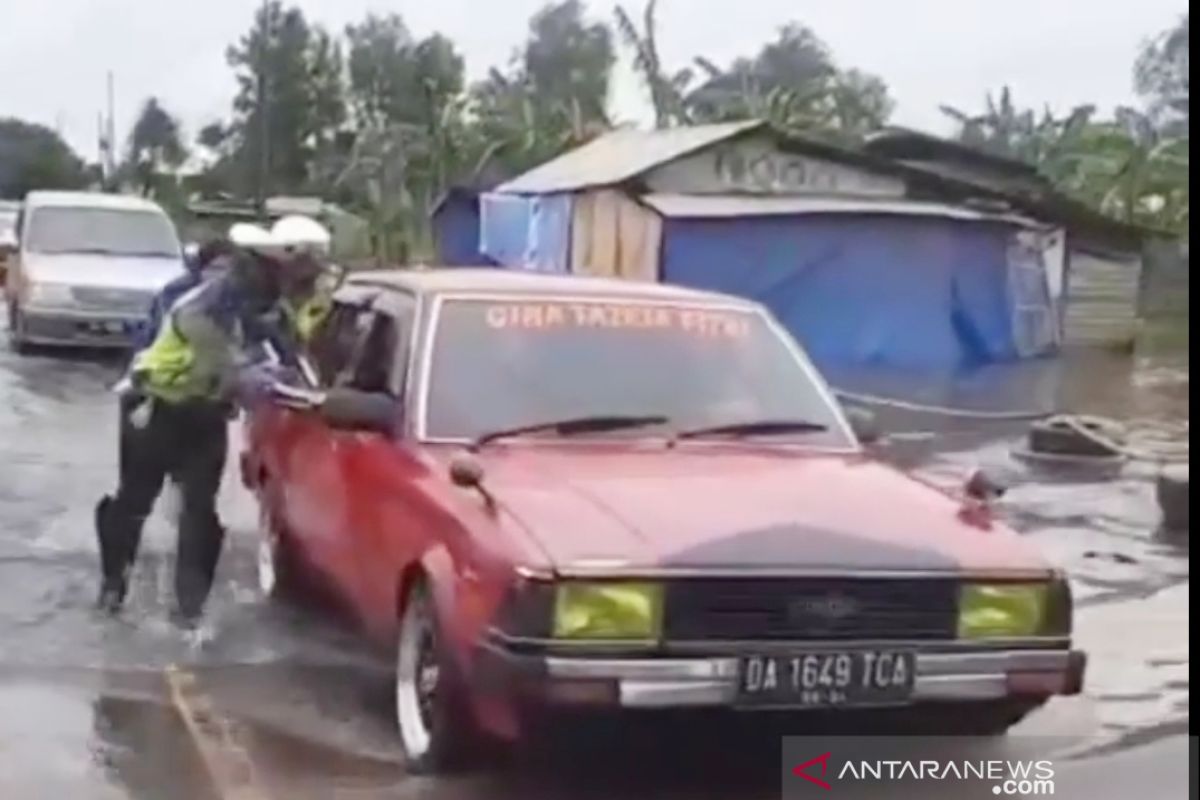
(1010, 610)
(50, 294)
(621, 610)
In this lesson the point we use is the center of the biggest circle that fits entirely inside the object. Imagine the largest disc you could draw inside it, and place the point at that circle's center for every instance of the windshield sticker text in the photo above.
(550, 316)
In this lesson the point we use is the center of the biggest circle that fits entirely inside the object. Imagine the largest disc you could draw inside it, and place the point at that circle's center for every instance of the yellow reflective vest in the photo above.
(307, 316)
(192, 357)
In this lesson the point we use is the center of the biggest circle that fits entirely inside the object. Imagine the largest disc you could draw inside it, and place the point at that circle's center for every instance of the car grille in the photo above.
(116, 300)
(750, 609)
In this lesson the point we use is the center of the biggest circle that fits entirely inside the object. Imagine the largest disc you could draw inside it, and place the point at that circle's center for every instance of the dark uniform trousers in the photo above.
(187, 442)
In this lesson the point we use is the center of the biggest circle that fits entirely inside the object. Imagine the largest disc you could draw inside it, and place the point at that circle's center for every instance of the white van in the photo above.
(87, 268)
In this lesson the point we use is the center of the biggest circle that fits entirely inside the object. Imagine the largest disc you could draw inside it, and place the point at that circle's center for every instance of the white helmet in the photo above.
(295, 234)
(251, 237)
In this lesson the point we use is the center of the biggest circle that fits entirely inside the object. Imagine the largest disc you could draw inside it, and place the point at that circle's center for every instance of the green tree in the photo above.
(568, 61)
(1130, 169)
(795, 84)
(289, 102)
(327, 87)
(154, 144)
(35, 157)
(408, 103)
(667, 89)
(1046, 141)
(1162, 74)
(381, 69)
(553, 97)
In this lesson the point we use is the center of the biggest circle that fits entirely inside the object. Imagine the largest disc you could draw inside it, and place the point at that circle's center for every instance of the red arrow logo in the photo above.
(800, 771)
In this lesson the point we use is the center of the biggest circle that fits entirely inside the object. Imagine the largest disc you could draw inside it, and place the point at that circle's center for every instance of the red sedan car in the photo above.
(568, 492)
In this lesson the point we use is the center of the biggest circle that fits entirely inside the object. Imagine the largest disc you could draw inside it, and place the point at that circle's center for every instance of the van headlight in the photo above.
(612, 610)
(1014, 610)
(50, 294)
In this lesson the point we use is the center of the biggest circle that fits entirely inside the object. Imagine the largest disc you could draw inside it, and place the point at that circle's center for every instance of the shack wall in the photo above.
(1102, 298)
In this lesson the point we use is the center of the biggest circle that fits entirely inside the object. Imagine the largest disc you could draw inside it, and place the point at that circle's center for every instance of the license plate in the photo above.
(827, 679)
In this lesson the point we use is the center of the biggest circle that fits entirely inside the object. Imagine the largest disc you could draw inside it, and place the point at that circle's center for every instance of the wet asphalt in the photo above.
(87, 708)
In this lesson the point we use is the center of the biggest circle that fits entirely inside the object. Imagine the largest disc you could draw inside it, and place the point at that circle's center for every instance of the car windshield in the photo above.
(102, 230)
(501, 364)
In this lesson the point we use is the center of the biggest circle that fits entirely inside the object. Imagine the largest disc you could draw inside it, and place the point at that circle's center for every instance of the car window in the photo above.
(333, 348)
(505, 363)
(101, 230)
(371, 370)
(402, 312)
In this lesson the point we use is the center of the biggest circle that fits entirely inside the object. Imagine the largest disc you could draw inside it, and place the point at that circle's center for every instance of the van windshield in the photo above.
(8, 227)
(103, 231)
(500, 364)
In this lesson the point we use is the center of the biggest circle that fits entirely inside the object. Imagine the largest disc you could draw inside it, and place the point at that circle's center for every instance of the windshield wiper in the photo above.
(763, 427)
(575, 426)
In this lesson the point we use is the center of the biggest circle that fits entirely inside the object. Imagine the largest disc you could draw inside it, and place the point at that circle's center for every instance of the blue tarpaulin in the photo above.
(456, 231)
(523, 232)
(859, 289)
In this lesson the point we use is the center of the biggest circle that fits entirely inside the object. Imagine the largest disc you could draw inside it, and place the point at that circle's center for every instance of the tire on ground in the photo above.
(1173, 498)
(1057, 437)
(15, 340)
(454, 737)
(283, 559)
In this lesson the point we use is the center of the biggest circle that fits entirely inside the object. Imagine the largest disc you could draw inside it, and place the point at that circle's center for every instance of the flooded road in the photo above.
(99, 708)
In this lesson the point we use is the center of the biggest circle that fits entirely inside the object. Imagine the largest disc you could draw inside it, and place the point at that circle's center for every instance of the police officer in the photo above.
(307, 280)
(209, 259)
(174, 417)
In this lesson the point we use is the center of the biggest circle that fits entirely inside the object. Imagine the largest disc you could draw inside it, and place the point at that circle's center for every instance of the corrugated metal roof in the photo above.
(724, 206)
(621, 155)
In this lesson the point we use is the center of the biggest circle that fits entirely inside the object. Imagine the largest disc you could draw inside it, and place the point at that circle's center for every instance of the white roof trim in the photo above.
(727, 206)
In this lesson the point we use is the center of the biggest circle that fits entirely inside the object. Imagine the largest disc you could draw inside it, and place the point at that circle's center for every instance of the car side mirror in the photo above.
(466, 472)
(354, 410)
(864, 424)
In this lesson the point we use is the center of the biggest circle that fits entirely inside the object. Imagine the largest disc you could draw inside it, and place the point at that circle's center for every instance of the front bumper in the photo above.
(79, 328)
(957, 676)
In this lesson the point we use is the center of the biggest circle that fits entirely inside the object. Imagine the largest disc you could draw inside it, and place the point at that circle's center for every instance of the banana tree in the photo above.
(667, 90)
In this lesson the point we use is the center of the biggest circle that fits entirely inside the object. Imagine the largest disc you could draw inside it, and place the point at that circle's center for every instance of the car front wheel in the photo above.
(432, 717)
(275, 571)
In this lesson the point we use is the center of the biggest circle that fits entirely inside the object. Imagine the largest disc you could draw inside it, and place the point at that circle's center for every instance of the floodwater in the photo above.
(87, 708)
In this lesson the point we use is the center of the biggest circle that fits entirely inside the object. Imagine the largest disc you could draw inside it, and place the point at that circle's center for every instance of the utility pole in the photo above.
(112, 131)
(264, 115)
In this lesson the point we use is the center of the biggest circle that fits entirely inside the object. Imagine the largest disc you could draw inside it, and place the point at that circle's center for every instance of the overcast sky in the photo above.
(54, 54)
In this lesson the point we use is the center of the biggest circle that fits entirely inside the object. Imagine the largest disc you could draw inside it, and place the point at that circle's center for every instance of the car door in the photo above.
(305, 461)
(380, 474)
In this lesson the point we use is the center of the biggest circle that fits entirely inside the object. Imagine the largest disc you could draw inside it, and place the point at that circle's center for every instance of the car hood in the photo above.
(102, 271)
(696, 507)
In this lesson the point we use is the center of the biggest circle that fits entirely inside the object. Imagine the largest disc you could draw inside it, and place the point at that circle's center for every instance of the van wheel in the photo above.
(16, 329)
(432, 716)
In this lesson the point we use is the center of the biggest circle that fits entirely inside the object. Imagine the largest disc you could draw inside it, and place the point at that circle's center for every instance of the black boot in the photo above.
(114, 562)
(196, 565)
